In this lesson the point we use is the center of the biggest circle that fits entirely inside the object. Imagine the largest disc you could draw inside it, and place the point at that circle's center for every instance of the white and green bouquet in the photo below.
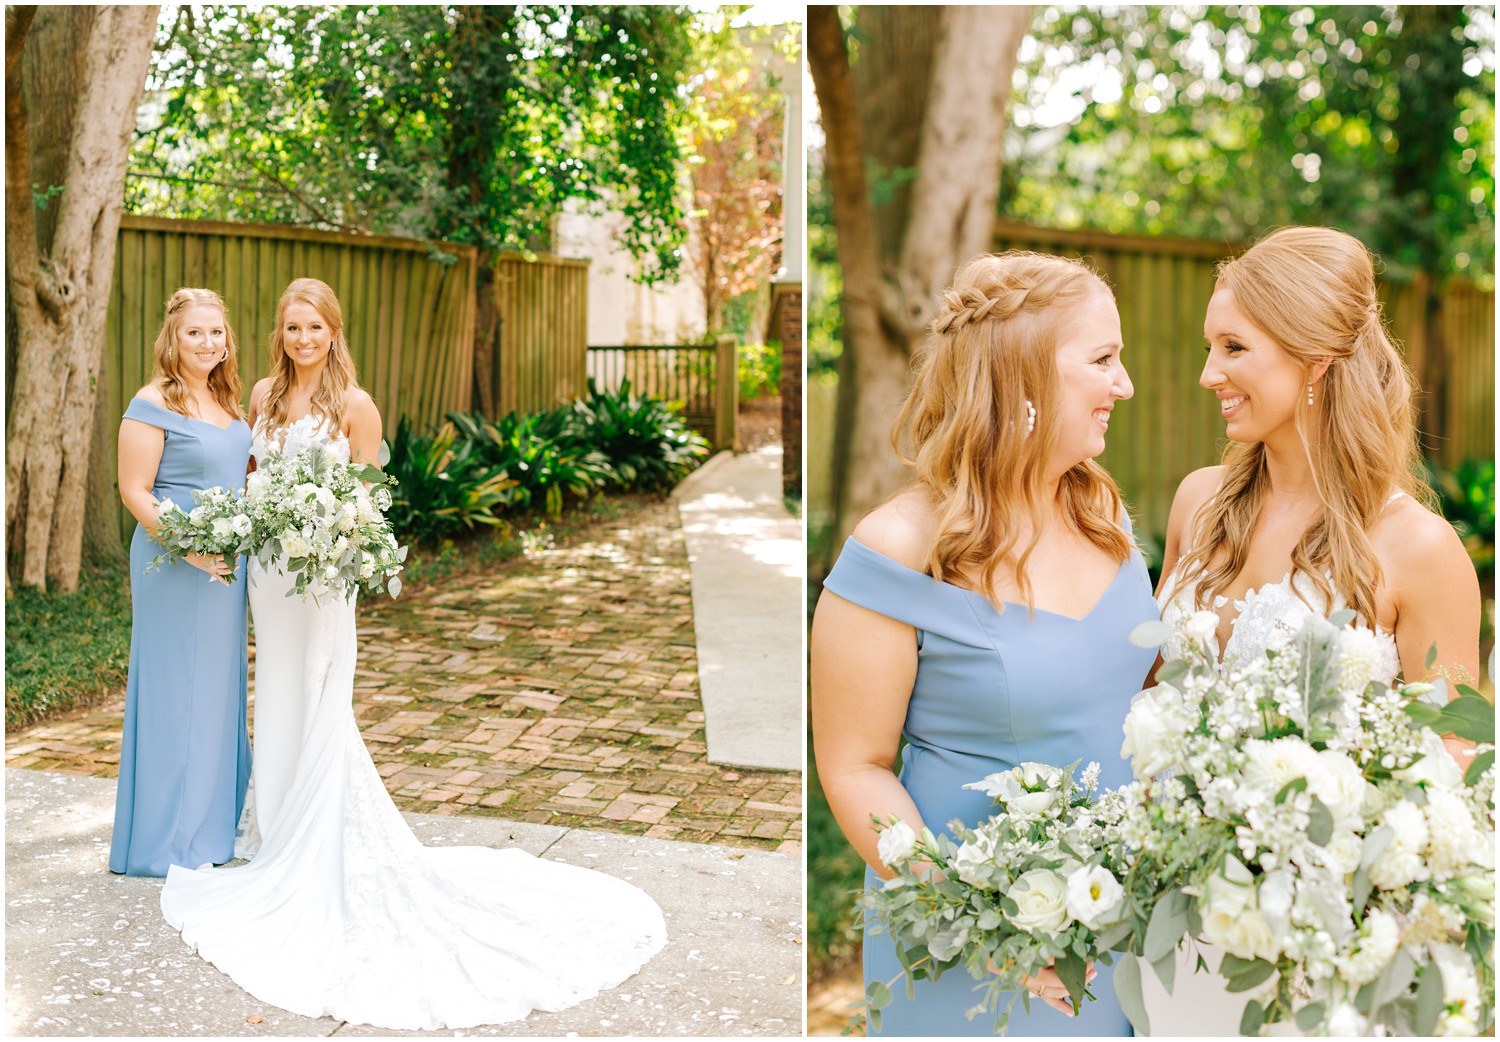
(1028, 888)
(218, 524)
(1305, 818)
(312, 511)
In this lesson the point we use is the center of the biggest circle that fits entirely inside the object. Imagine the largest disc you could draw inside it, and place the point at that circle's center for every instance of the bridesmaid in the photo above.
(185, 752)
(984, 613)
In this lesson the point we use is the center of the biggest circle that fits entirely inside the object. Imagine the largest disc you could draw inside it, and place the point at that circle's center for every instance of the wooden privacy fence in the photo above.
(1173, 426)
(685, 375)
(408, 307)
(543, 335)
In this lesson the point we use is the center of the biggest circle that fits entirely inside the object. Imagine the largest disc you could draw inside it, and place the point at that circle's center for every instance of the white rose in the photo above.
(1248, 936)
(1436, 768)
(1341, 786)
(331, 573)
(326, 498)
(1041, 902)
(974, 860)
(1229, 891)
(1231, 917)
(897, 842)
(1343, 851)
(1273, 764)
(1149, 731)
(222, 528)
(166, 505)
(255, 485)
(1202, 627)
(1345, 1022)
(1094, 896)
(1401, 862)
(293, 545)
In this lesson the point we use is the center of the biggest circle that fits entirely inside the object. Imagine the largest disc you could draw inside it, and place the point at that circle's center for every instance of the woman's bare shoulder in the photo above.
(152, 393)
(1416, 543)
(902, 528)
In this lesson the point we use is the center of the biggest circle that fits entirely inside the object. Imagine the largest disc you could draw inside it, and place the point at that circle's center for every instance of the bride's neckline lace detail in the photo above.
(298, 435)
(1267, 618)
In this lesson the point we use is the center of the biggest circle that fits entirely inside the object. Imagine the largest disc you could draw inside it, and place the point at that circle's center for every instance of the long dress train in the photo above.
(342, 912)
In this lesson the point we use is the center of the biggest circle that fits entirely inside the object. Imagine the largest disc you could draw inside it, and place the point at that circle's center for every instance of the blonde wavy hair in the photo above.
(1312, 291)
(223, 379)
(338, 378)
(993, 348)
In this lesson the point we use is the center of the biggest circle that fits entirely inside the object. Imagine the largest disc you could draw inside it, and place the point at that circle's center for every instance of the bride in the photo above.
(342, 912)
(1315, 508)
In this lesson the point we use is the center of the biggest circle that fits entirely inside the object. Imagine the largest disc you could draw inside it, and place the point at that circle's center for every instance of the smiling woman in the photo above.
(983, 615)
(185, 754)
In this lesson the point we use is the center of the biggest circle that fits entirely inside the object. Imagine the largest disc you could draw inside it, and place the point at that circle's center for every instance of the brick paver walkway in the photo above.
(559, 688)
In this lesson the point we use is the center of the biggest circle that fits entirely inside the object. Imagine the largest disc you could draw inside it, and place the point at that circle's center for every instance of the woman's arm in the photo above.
(862, 671)
(140, 449)
(364, 429)
(1437, 603)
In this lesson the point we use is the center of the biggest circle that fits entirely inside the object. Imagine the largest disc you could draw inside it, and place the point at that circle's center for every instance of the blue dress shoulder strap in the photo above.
(874, 581)
(157, 416)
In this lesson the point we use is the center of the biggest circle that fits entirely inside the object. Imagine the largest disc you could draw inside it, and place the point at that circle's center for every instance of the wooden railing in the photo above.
(685, 375)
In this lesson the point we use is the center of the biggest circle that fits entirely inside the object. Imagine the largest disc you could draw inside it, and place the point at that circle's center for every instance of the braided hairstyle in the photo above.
(1312, 291)
(963, 427)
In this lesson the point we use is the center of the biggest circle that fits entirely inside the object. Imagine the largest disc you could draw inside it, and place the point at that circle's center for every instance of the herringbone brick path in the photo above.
(559, 688)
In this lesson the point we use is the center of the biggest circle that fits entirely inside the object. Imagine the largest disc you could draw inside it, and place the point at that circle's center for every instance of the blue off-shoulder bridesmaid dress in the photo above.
(995, 689)
(185, 752)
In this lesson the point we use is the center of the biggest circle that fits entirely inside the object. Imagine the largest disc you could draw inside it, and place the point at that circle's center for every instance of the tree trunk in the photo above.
(60, 295)
(929, 95)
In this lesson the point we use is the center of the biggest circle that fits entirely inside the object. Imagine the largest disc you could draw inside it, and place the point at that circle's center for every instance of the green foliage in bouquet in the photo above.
(649, 447)
(444, 483)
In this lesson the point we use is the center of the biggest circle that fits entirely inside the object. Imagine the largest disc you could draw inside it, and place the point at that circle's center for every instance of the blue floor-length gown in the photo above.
(995, 689)
(185, 751)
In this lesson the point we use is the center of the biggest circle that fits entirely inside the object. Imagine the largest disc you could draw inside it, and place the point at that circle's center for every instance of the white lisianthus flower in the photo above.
(256, 485)
(1028, 790)
(1041, 902)
(974, 860)
(897, 842)
(331, 573)
(1148, 731)
(306, 491)
(198, 514)
(367, 569)
(1401, 862)
(1094, 896)
(1436, 768)
(241, 525)
(222, 528)
(166, 504)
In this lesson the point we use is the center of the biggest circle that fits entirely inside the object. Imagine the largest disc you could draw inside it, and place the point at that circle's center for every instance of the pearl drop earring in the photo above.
(1309, 392)
(1030, 416)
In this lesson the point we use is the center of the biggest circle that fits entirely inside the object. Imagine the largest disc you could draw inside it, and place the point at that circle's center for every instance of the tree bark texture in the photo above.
(59, 295)
(922, 105)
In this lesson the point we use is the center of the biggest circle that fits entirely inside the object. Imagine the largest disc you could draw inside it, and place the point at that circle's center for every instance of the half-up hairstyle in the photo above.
(963, 428)
(338, 379)
(1312, 291)
(223, 379)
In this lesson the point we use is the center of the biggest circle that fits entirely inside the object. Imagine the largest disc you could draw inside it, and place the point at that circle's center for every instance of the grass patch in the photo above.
(835, 875)
(66, 650)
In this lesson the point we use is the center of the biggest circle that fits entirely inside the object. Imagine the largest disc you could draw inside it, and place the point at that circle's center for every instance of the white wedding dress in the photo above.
(1268, 618)
(341, 912)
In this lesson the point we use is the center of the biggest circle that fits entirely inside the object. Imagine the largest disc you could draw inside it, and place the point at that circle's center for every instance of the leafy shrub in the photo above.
(1467, 499)
(648, 446)
(442, 483)
(540, 454)
(759, 367)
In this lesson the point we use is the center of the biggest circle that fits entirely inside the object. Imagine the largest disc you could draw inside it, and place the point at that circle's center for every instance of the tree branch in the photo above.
(301, 199)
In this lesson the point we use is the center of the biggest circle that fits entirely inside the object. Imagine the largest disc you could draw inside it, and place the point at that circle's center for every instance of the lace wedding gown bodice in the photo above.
(341, 912)
(1266, 618)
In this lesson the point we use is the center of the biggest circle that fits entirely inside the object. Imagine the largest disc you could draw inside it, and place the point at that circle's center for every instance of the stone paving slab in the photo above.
(561, 688)
(88, 953)
(748, 589)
